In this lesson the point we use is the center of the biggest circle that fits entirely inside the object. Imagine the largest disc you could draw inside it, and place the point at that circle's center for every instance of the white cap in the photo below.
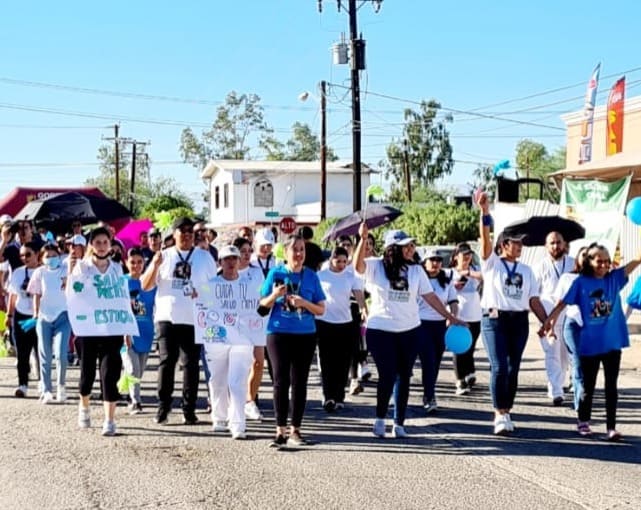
(264, 236)
(79, 239)
(228, 251)
(5, 218)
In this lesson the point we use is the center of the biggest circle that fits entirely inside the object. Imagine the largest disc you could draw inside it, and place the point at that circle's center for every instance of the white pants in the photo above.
(229, 366)
(557, 361)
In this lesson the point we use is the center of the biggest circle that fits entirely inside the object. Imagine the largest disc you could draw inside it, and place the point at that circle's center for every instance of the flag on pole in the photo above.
(585, 149)
(616, 99)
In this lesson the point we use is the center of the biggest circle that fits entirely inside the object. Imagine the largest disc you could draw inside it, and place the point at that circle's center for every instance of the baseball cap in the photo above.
(228, 251)
(182, 222)
(264, 236)
(153, 232)
(5, 218)
(78, 239)
(463, 248)
(432, 254)
(397, 237)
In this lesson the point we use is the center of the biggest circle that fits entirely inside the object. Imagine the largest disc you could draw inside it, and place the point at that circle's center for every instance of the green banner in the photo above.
(598, 206)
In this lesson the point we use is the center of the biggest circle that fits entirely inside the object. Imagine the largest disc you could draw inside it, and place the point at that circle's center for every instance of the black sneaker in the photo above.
(279, 441)
(161, 417)
(329, 406)
(190, 418)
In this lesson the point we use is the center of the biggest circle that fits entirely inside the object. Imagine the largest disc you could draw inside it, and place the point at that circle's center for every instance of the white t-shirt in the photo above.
(5, 268)
(446, 295)
(507, 285)
(338, 288)
(571, 311)
(263, 264)
(50, 284)
(18, 285)
(469, 299)
(394, 308)
(254, 277)
(547, 273)
(175, 286)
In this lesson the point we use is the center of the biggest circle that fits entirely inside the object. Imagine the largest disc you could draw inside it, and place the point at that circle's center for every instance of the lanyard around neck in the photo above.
(185, 260)
(512, 272)
(558, 275)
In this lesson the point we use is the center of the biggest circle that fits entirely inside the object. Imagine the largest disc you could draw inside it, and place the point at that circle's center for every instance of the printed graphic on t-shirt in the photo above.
(599, 304)
(138, 307)
(399, 289)
(513, 286)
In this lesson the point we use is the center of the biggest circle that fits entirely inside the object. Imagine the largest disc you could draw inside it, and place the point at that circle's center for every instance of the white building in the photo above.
(261, 192)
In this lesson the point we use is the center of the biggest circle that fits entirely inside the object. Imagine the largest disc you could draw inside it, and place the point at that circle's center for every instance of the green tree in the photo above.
(230, 137)
(533, 160)
(427, 142)
(303, 145)
(484, 178)
(146, 189)
(165, 203)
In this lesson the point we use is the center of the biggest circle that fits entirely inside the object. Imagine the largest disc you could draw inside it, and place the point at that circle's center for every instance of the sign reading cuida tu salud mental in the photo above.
(99, 304)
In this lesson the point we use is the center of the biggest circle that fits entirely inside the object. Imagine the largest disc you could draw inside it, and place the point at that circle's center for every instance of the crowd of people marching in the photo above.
(236, 307)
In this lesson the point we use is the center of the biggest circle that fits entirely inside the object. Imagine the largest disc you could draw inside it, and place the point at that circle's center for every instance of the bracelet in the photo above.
(487, 220)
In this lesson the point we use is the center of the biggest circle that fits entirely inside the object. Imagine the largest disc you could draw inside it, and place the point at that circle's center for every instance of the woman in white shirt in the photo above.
(509, 292)
(431, 345)
(467, 280)
(19, 310)
(395, 283)
(335, 328)
(47, 286)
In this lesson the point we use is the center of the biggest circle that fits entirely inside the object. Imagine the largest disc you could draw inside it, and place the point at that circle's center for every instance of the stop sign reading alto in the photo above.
(287, 225)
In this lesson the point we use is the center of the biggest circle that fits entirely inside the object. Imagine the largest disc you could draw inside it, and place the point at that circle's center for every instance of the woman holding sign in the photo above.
(100, 313)
(294, 295)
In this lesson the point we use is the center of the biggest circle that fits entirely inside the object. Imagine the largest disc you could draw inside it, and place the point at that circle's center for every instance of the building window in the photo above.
(263, 193)
(226, 195)
(217, 197)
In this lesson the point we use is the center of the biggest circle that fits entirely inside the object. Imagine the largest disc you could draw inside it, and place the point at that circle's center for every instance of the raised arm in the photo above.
(485, 222)
(359, 253)
(632, 265)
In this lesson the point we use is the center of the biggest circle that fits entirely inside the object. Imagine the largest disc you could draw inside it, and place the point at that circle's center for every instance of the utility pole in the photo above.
(116, 140)
(406, 170)
(323, 149)
(133, 176)
(356, 106)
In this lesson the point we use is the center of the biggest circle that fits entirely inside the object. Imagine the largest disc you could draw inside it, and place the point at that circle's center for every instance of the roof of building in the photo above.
(256, 166)
(616, 166)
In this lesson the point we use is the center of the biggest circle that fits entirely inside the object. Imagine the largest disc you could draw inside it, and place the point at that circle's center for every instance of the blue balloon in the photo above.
(633, 210)
(458, 339)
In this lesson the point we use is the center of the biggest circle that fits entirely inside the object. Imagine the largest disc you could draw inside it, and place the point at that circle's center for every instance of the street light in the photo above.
(322, 86)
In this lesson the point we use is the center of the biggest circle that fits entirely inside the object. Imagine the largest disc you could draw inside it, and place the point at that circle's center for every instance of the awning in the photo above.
(612, 168)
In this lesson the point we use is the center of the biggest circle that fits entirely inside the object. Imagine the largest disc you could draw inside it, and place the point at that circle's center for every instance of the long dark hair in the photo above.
(442, 277)
(394, 262)
(586, 267)
(578, 263)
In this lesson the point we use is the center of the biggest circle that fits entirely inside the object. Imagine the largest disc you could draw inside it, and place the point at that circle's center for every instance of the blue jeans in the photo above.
(394, 355)
(53, 337)
(431, 346)
(505, 338)
(571, 335)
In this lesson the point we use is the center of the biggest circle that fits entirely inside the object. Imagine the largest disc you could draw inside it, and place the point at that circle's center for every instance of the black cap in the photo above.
(182, 222)
(153, 232)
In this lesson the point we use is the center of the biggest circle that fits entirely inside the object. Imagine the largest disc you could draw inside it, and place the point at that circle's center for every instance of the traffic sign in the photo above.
(287, 225)
(272, 214)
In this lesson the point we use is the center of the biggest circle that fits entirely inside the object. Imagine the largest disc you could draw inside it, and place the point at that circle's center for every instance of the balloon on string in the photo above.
(633, 210)
(458, 339)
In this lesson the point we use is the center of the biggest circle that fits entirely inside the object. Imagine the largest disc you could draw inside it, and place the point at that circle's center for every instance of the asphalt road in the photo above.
(451, 460)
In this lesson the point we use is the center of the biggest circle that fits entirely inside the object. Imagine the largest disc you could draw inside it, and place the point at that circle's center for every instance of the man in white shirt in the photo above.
(547, 273)
(176, 272)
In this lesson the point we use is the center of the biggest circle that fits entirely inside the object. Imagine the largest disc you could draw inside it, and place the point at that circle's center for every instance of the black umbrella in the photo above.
(374, 215)
(537, 228)
(59, 211)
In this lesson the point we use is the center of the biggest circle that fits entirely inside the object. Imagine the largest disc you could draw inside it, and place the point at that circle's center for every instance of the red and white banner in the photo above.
(585, 149)
(616, 100)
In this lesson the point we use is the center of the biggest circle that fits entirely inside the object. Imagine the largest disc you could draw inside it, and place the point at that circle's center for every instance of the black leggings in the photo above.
(291, 356)
(464, 363)
(105, 349)
(25, 343)
(590, 367)
(334, 348)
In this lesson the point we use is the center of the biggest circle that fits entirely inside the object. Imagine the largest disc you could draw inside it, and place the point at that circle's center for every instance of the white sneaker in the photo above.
(84, 417)
(252, 412)
(398, 431)
(220, 426)
(355, 387)
(21, 391)
(109, 428)
(430, 406)
(61, 395)
(238, 434)
(501, 425)
(508, 421)
(47, 398)
(379, 427)
(364, 373)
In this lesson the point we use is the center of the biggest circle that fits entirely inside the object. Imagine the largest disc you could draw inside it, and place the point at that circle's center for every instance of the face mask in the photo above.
(52, 262)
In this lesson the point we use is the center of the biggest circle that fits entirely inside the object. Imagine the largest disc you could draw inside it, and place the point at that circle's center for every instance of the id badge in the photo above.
(188, 289)
(494, 313)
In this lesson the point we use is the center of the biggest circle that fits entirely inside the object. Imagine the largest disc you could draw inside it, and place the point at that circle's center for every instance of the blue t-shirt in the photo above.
(604, 327)
(142, 304)
(282, 318)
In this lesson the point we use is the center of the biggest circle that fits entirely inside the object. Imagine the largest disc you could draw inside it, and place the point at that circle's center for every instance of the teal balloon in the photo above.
(633, 210)
(458, 339)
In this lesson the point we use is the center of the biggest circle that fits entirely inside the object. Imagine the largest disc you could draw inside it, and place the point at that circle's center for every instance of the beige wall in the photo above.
(631, 132)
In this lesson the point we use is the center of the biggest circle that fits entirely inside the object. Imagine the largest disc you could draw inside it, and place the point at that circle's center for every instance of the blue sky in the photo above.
(468, 55)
